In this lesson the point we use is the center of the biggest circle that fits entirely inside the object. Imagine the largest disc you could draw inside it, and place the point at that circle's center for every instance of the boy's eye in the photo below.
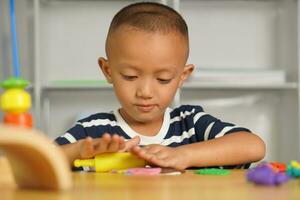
(164, 81)
(127, 77)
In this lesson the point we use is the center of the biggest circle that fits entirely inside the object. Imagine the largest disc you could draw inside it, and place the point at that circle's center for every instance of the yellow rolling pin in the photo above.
(111, 161)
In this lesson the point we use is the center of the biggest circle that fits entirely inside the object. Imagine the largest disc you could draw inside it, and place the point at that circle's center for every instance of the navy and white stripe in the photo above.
(183, 125)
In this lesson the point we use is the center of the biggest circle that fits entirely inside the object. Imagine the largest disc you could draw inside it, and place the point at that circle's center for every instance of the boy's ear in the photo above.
(103, 64)
(187, 71)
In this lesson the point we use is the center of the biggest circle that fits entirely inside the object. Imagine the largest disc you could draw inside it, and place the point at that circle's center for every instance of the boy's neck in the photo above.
(146, 129)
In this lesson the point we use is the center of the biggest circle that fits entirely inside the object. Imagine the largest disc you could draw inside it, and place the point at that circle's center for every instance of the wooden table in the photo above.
(91, 186)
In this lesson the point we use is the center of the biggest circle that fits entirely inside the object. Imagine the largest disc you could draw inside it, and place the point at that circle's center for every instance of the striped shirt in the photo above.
(186, 124)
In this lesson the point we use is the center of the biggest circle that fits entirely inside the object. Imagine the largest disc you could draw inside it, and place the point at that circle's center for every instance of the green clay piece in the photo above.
(14, 83)
(213, 171)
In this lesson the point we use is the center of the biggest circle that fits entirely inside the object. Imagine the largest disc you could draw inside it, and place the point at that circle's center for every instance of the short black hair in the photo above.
(150, 16)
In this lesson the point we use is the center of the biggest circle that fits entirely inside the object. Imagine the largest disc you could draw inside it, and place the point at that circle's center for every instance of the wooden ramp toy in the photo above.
(36, 162)
(6, 176)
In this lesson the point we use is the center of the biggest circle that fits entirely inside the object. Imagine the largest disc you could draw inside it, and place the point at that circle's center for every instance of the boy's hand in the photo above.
(90, 147)
(162, 156)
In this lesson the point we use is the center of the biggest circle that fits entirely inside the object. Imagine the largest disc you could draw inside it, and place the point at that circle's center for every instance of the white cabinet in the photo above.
(225, 36)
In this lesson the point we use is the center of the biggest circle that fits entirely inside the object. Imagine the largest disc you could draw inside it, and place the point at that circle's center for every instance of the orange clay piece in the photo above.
(280, 167)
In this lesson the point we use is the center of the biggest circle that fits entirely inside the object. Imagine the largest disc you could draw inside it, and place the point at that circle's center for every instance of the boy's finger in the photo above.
(149, 158)
(159, 162)
(135, 150)
(140, 152)
(132, 143)
(88, 142)
(113, 146)
(86, 150)
(106, 138)
(154, 159)
(152, 149)
(101, 147)
(121, 143)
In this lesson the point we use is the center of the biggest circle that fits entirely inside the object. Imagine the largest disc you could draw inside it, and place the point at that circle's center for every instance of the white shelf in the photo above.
(75, 87)
(77, 84)
(235, 86)
(188, 85)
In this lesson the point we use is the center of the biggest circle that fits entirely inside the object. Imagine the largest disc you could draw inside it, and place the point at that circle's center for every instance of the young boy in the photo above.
(147, 49)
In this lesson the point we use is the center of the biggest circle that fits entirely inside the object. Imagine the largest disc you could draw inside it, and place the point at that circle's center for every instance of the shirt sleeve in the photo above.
(208, 127)
(72, 135)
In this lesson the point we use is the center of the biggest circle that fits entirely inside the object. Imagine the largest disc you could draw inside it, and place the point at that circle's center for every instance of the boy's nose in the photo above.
(144, 90)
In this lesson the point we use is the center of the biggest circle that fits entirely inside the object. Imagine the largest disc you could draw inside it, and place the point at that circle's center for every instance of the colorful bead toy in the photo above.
(15, 102)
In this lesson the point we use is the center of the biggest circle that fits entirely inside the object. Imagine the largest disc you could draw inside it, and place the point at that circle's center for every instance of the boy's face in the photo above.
(145, 69)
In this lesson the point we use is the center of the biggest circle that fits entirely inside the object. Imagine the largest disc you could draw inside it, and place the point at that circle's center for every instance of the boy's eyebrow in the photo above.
(168, 70)
(164, 69)
(129, 66)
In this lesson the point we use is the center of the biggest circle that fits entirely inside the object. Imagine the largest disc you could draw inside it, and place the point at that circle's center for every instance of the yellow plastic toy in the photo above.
(111, 161)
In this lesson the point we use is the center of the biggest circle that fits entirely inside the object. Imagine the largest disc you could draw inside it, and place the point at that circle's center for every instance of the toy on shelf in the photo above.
(268, 174)
(15, 102)
(111, 161)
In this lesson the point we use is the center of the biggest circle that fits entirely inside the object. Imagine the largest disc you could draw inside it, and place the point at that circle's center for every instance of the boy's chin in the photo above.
(147, 118)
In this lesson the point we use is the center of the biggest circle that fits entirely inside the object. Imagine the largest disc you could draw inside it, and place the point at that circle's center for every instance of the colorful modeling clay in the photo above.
(148, 171)
(293, 169)
(264, 174)
(143, 171)
(281, 167)
(212, 171)
(295, 164)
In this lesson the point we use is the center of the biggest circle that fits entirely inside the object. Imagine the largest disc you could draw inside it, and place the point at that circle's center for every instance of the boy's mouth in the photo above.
(145, 108)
